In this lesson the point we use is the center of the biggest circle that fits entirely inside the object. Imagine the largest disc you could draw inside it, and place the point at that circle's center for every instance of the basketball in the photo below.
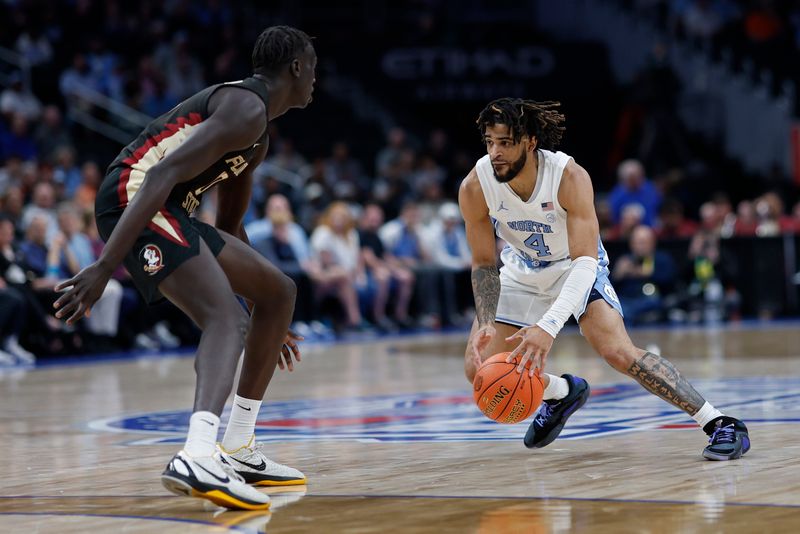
(503, 394)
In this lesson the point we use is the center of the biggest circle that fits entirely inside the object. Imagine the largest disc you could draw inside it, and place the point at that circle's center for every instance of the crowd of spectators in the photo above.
(765, 33)
(373, 243)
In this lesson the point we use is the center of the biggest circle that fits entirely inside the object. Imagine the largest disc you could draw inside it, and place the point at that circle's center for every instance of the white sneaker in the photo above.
(207, 478)
(255, 468)
(12, 346)
(6, 359)
(145, 342)
(167, 339)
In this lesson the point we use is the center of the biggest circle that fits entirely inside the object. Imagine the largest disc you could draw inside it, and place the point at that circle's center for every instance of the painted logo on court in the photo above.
(153, 259)
(453, 415)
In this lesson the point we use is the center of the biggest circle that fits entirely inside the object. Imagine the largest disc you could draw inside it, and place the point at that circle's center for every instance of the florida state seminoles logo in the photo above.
(153, 259)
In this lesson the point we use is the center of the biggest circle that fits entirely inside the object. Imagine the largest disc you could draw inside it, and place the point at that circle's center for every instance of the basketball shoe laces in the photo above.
(231, 472)
(723, 434)
(544, 414)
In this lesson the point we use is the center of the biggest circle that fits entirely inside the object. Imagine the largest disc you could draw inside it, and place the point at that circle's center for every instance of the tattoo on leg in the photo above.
(660, 377)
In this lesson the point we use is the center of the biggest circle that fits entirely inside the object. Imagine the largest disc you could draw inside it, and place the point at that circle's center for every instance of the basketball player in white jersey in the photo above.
(541, 203)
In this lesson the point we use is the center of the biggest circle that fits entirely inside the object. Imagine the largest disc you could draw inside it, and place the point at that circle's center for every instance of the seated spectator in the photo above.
(51, 133)
(287, 158)
(14, 304)
(711, 294)
(725, 214)
(746, 219)
(401, 238)
(86, 192)
(278, 209)
(335, 245)
(446, 242)
(43, 201)
(711, 219)
(427, 176)
(67, 173)
(343, 173)
(643, 278)
(632, 216)
(18, 141)
(79, 254)
(772, 220)
(389, 155)
(12, 204)
(78, 82)
(42, 267)
(284, 243)
(15, 99)
(672, 223)
(634, 188)
(384, 273)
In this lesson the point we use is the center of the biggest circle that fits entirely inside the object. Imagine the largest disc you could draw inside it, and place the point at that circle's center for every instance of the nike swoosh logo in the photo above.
(243, 408)
(223, 480)
(259, 467)
(206, 421)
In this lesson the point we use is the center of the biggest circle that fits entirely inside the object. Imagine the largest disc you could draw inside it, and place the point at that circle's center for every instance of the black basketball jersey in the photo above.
(163, 135)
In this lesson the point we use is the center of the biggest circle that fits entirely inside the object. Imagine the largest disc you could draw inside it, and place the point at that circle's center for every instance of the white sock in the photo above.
(242, 423)
(202, 438)
(558, 388)
(706, 414)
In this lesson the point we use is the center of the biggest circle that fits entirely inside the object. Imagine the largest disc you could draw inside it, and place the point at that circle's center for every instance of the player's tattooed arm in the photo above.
(660, 377)
(481, 240)
(486, 288)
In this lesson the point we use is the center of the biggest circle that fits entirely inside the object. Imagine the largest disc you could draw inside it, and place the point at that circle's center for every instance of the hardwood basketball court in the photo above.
(390, 441)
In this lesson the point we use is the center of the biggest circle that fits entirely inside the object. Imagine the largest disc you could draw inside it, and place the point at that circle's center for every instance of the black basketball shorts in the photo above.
(169, 239)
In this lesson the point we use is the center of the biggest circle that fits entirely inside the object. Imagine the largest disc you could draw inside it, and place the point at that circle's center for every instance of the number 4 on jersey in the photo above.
(536, 242)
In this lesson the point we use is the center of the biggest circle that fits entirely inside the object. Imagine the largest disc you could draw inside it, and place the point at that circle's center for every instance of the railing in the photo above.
(109, 118)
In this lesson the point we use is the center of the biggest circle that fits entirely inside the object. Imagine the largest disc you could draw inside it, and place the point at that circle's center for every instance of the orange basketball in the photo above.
(503, 394)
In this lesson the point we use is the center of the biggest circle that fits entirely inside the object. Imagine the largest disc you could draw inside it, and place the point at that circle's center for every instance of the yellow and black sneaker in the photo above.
(207, 478)
(252, 465)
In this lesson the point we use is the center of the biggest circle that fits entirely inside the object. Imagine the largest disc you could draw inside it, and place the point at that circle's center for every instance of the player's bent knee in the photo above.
(289, 288)
(617, 357)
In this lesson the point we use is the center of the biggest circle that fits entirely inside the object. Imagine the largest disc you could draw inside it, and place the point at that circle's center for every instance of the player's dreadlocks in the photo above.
(278, 46)
(525, 117)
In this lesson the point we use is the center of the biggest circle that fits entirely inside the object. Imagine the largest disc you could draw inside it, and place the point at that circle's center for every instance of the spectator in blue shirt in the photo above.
(643, 277)
(634, 188)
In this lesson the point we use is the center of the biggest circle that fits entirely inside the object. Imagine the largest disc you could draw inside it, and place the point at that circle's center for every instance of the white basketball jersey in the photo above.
(535, 229)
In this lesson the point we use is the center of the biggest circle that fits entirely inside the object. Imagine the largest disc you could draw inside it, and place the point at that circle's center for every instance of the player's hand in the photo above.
(81, 292)
(289, 347)
(534, 345)
(480, 340)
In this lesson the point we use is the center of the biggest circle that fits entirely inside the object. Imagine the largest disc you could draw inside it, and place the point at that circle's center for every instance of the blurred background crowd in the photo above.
(356, 198)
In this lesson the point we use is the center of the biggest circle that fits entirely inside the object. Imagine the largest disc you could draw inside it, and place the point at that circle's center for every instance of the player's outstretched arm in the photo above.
(236, 120)
(485, 276)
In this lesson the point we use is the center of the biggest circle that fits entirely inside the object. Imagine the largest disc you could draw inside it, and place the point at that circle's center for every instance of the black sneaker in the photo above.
(553, 414)
(728, 439)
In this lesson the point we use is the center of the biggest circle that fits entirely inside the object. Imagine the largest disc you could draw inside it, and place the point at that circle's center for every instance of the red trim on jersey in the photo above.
(169, 130)
(173, 222)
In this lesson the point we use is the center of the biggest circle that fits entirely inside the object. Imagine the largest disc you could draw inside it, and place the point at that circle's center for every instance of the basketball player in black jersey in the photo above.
(143, 210)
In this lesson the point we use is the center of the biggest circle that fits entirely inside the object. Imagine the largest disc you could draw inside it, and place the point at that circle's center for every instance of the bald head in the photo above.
(630, 174)
(643, 241)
